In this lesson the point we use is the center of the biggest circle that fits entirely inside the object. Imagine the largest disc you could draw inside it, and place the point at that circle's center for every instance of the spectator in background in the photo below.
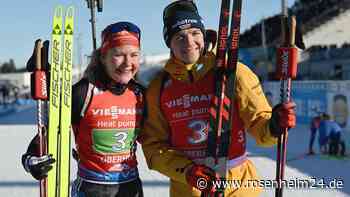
(315, 124)
(330, 136)
(323, 133)
(15, 90)
(5, 94)
(2, 94)
(335, 140)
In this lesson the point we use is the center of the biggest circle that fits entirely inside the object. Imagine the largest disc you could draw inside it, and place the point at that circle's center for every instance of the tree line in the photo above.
(10, 67)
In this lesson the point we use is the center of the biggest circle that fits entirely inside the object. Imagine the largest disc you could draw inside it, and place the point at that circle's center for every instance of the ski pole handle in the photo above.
(292, 30)
(38, 47)
(38, 77)
(287, 56)
(99, 5)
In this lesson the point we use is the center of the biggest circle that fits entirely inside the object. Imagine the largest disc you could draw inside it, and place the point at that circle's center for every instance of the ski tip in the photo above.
(59, 11)
(70, 12)
(69, 21)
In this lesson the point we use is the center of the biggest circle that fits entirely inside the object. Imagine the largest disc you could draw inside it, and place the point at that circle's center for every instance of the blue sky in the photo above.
(23, 21)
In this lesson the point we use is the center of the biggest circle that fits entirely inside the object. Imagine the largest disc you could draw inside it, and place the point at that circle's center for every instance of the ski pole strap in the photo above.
(287, 59)
(87, 100)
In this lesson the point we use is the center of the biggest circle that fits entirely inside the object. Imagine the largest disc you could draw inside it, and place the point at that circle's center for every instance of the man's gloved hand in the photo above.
(201, 177)
(283, 116)
(38, 166)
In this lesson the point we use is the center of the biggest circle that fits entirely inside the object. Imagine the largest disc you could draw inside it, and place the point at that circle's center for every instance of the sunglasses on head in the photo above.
(121, 26)
(182, 5)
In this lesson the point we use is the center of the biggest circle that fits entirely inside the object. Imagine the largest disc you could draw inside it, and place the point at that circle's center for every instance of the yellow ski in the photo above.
(66, 99)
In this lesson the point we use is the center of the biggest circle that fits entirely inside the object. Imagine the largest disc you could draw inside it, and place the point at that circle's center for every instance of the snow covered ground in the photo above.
(16, 134)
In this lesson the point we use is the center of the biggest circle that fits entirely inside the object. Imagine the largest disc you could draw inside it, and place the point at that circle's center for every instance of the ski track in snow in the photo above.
(20, 128)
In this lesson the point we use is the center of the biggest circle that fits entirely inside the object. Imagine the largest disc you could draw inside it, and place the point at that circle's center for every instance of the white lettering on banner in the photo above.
(106, 124)
(114, 111)
(193, 112)
(127, 124)
(186, 100)
(119, 124)
(181, 114)
(200, 111)
(114, 159)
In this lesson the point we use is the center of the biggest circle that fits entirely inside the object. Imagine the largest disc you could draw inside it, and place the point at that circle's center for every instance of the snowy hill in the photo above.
(15, 182)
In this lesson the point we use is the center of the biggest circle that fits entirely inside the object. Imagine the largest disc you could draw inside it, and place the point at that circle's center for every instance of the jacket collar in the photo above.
(198, 70)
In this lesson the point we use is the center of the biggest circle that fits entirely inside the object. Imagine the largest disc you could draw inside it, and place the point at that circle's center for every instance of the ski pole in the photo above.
(39, 117)
(39, 93)
(279, 165)
(286, 71)
(91, 4)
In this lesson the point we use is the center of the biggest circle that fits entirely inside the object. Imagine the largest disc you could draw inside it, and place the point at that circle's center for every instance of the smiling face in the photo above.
(187, 45)
(122, 63)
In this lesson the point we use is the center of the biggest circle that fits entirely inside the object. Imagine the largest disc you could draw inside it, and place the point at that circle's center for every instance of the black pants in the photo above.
(312, 139)
(85, 189)
(334, 143)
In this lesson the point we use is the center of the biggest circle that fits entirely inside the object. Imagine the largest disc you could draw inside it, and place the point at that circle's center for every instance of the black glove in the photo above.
(38, 166)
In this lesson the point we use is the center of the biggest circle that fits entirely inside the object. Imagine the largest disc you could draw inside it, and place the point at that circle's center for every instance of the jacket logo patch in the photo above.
(187, 100)
(115, 111)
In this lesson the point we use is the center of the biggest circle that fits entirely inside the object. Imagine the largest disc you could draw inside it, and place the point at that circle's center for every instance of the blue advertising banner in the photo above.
(309, 103)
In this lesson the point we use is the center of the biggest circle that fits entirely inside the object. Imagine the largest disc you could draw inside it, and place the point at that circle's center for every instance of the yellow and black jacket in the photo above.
(253, 111)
